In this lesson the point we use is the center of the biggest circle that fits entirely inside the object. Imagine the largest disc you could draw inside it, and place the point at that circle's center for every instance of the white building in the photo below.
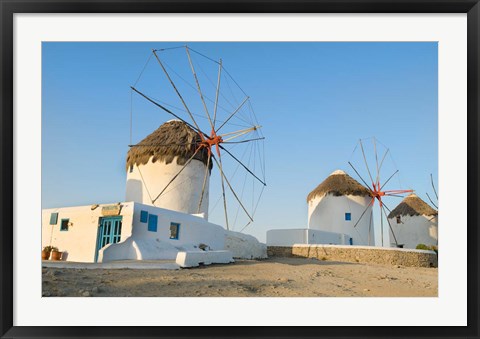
(150, 225)
(334, 208)
(414, 222)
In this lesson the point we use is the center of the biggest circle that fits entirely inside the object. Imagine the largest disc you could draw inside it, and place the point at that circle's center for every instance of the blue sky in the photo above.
(314, 101)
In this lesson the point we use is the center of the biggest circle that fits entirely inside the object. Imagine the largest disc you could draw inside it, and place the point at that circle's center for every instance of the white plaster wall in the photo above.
(289, 237)
(327, 213)
(183, 194)
(414, 230)
(322, 237)
(193, 230)
(79, 242)
(286, 237)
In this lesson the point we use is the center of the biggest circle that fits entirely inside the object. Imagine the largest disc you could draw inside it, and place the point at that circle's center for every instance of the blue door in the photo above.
(109, 232)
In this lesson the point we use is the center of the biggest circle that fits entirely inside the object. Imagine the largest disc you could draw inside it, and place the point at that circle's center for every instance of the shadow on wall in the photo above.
(134, 190)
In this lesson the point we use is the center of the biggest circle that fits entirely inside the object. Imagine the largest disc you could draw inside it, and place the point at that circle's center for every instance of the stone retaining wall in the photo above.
(360, 254)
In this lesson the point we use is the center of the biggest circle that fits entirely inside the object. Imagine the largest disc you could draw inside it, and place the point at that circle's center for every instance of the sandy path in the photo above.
(274, 277)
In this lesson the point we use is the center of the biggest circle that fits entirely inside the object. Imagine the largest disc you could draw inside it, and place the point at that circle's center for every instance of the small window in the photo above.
(143, 216)
(348, 216)
(174, 230)
(152, 222)
(399, 219)
(53, 218)
(64, 225)
(131, 168)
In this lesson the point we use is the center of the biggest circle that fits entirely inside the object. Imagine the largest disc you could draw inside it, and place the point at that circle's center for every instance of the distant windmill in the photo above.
(377, 187)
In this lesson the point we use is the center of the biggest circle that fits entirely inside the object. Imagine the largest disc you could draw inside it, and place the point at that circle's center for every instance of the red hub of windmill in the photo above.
(208, 143)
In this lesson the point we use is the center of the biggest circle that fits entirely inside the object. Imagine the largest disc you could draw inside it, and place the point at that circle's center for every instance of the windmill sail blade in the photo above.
(217, 92)
(370, 230)
(169, 112)
(388, 209)
(219, 164)
(207, 169)
(386, 182)
(248, 170)
(234, 112)
(359, 176)
(365, 159)
(363, 212)
(198, 87)
(433, 186)
(239, 133)
(176, 175)
(432, 201)
(243, 141)
(163, 145)
(381, 221)
(231, 189)
(376, 161)
(176, 90)
(391, 229)
(381, 164)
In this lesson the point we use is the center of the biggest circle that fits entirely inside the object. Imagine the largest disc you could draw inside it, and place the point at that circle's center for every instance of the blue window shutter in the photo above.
(143, 216)
(348, 216)
(152, 222)
(53, 218)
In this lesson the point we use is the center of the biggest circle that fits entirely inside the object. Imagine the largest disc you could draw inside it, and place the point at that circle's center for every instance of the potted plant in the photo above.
(46, 252)
(56, 255)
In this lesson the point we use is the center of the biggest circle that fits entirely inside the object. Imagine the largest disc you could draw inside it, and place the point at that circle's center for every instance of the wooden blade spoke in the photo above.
(239, 133)
(176, 90)
(243, 141)
(389, 179)
(381, 221)
(384, 205)
(176, 175)
(432, 201)
(231, 188)
(248, 170)
(199, 88)
(366, 164)
(433, 186)
(234, 112)
(390, 192)
(219, 164)
(163, 145)
(207, 169)
(360, 176)
(363, 212)
(217, 92)
(391, 229)
(198, 130)
(381, 164)
(376, 161)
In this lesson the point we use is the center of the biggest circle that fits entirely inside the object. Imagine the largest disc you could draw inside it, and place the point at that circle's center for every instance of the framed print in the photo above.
(159, 155)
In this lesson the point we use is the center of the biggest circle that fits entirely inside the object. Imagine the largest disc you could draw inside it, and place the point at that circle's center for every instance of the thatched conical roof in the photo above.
(412, 205)
(339, 183)
(172, 139)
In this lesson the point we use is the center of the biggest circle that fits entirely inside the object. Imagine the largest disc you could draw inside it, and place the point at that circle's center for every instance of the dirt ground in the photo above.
(273, 277)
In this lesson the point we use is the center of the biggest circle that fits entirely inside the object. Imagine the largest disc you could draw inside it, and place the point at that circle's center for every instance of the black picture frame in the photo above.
(10, 7)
